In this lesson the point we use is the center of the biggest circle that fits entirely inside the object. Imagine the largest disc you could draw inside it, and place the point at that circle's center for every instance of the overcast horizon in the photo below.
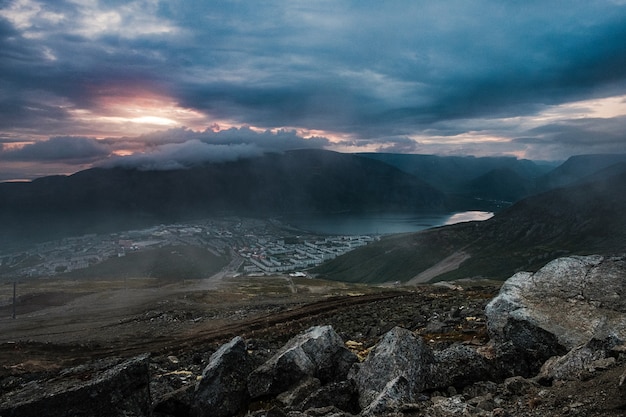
(169, 84)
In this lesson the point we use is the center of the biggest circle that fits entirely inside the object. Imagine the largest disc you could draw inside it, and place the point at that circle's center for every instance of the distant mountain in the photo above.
(452, 173)
(500, 184)
(295, 182)
(577, 168)
(589, 217)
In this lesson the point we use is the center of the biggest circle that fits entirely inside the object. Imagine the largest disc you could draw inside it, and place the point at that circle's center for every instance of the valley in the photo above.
(179, 289)
(192, 250)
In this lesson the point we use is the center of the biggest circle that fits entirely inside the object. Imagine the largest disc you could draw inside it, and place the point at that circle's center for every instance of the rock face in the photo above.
(568, 319)
(319, 353)
(563, 305)
(395, 371)
(458, 366)
(223, 391)
(122, 390)
(584, 358)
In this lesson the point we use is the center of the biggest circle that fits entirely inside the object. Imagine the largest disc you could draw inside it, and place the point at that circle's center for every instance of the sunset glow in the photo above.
(143, 110)
(104, 79)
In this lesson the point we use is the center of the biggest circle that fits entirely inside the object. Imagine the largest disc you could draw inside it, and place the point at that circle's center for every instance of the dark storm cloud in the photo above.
(181, 148)
(577, 136)
(281, 140)
(381, 73)
(57, 149)
(184, 155)
(267, 141)
(374, 70)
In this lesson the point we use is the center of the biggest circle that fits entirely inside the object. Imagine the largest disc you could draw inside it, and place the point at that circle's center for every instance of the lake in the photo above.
(381, 224)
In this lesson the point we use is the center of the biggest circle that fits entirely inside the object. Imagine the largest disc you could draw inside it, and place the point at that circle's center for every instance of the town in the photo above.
(257, 246)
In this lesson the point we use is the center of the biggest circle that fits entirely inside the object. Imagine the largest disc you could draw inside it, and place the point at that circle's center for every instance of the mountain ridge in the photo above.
(294, 182)
(589, 217)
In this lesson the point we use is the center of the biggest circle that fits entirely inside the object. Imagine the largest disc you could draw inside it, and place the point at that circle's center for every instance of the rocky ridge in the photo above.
(550, 343)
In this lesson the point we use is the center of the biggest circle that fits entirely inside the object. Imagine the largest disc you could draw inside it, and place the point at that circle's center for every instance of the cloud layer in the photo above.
(481, 77)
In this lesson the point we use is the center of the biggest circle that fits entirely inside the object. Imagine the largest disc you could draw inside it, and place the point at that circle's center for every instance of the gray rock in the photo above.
(319, 352)
(175, 403)
(574, 298)
(295, 397)
(393, 395)
(520, 386)
(480, 388)
(578, 361)
(223, 391)
(458, 366)
(484, 402)
(394, 371)
(341, 395)
(120, 390)
(563, 305)
(272, 412)
(448, 407)
(319, 412)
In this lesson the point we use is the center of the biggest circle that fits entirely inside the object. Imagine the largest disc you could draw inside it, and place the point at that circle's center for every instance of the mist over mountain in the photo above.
(317, 182)
(589, 217)
(452, 173)
(499, 184)
(294, 182)
(577, 168)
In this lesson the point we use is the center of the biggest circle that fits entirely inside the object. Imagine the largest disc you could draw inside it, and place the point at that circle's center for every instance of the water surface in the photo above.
(381, 224)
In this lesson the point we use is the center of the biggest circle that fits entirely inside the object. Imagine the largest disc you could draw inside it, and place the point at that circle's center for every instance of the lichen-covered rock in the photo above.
(580, 360)
(459, 366)
(392, 396)
(449, 407)
(122, 390)
(574, 298)
(310, 394)
(395, 370)
(295, 396)
(223, 390)
(341, 395)
(563, 305)
(319, 353)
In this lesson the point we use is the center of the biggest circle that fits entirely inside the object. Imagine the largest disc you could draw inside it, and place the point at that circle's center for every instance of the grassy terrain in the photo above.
(166, 263)
(583, 219)
(395, 258)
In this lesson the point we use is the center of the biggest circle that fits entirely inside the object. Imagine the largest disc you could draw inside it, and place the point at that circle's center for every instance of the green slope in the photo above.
(582, 219)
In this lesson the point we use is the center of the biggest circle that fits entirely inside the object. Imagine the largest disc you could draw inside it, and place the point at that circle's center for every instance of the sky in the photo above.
(163, 84)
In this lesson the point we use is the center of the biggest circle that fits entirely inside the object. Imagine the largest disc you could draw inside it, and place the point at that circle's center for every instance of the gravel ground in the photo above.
(182, 326)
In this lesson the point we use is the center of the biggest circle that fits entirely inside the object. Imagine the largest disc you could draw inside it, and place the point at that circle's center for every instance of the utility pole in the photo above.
(14, 286)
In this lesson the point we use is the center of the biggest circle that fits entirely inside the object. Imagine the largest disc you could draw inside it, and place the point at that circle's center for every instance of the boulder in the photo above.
(579, 361)
(395, 370)
(223, 391)
(119, 390)
(341, 395)
(392, 396)
(563, 305)
(520, 386)
(174, 403)
(309, 394)
(457, 366)
(297, 395)
(319, 352)
(449, 407)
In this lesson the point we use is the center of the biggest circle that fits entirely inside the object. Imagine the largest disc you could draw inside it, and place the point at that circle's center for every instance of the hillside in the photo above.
(452, 173)
(582, 219)
(499, 184)
(296, 182)
(577, 168)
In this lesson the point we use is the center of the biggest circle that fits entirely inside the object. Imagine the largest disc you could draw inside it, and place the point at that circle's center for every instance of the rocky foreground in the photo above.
(548, 344)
